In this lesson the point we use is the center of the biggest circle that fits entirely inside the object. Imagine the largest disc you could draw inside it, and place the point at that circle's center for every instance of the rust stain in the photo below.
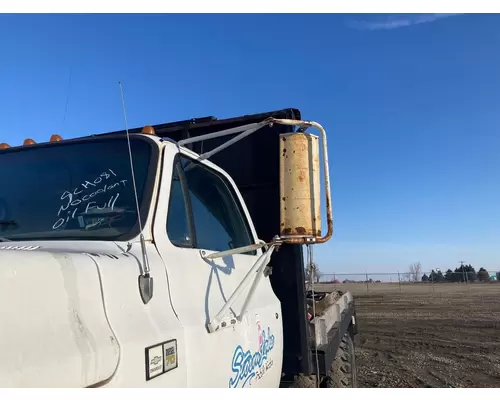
(298, 221)
(301, 230)
(302, 176)
(298, 231)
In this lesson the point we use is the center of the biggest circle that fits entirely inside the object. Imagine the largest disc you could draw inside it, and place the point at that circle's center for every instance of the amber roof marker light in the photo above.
(55, 138)
(4, 146)
(28, 141)
(148, 130)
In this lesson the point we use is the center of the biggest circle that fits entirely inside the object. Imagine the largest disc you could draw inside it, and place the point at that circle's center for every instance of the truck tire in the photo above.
(303, 382)
(342, 372)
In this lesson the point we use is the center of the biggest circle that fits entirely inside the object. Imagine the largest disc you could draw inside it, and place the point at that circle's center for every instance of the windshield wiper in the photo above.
(8, 222)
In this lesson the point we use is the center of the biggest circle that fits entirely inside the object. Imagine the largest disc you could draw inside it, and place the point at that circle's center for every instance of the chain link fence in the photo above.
(432, 281)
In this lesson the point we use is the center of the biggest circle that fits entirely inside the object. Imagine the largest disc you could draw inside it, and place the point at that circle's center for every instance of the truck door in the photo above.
(200, 209)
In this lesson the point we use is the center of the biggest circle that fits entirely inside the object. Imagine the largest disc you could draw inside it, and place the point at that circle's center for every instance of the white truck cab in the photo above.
(130, 260)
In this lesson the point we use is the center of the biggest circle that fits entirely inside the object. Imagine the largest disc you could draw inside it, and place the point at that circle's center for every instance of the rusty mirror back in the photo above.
(300, 189)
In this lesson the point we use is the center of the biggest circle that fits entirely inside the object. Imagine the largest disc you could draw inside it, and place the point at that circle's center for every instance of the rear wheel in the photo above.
(305, 382)
(342, 372)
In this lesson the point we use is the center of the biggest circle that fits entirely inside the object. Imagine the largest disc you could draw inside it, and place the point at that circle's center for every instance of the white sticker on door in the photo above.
(154, 361)
(161, 358)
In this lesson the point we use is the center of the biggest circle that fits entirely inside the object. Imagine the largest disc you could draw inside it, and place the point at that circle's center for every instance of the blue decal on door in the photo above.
(247, 365)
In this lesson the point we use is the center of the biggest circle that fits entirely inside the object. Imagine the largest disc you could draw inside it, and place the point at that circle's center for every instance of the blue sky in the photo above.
(411, 104)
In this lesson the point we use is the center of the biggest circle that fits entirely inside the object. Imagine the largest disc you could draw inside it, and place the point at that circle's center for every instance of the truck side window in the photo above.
(218, 220)
(179, 230)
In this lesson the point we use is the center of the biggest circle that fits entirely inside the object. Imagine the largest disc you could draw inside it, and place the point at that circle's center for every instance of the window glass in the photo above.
(72, 190)
(219, 222)
(178, 229)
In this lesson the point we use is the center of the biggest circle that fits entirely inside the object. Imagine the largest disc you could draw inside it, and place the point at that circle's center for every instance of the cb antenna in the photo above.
(145, 279)
(67, 98)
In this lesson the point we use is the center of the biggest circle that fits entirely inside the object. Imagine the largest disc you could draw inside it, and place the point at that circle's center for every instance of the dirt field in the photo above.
(444, 335)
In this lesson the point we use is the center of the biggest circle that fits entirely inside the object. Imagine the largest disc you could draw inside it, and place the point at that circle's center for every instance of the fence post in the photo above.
(399, 281)
(367, 281)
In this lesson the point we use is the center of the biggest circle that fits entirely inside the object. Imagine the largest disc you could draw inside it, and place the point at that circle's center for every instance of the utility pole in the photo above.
(463, 270)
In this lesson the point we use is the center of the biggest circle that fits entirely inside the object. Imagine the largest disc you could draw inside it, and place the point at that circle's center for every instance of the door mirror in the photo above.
(300, 186)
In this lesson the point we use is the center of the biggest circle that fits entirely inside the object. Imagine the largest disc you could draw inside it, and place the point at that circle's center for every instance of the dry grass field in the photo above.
(424, 335)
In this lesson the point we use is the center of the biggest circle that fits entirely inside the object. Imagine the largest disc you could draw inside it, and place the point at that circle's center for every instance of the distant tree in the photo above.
(471, 273)
(449, 276)
(460, 273)
(440, 277)
(465, 273)
(313, 271)
(433, 276)
(415, 271)
(483, 275)
(425, 278)
(498, 276)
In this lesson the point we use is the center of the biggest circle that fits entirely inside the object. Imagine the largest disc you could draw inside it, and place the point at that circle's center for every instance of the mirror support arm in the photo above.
(221, 320)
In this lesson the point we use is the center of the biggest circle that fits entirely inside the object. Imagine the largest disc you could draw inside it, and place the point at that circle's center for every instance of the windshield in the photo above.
(74, 190)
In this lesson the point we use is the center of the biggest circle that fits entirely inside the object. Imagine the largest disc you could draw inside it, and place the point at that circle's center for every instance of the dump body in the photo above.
(335, 314)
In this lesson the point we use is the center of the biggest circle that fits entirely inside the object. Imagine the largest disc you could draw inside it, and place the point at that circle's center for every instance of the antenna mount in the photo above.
(145, 280)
